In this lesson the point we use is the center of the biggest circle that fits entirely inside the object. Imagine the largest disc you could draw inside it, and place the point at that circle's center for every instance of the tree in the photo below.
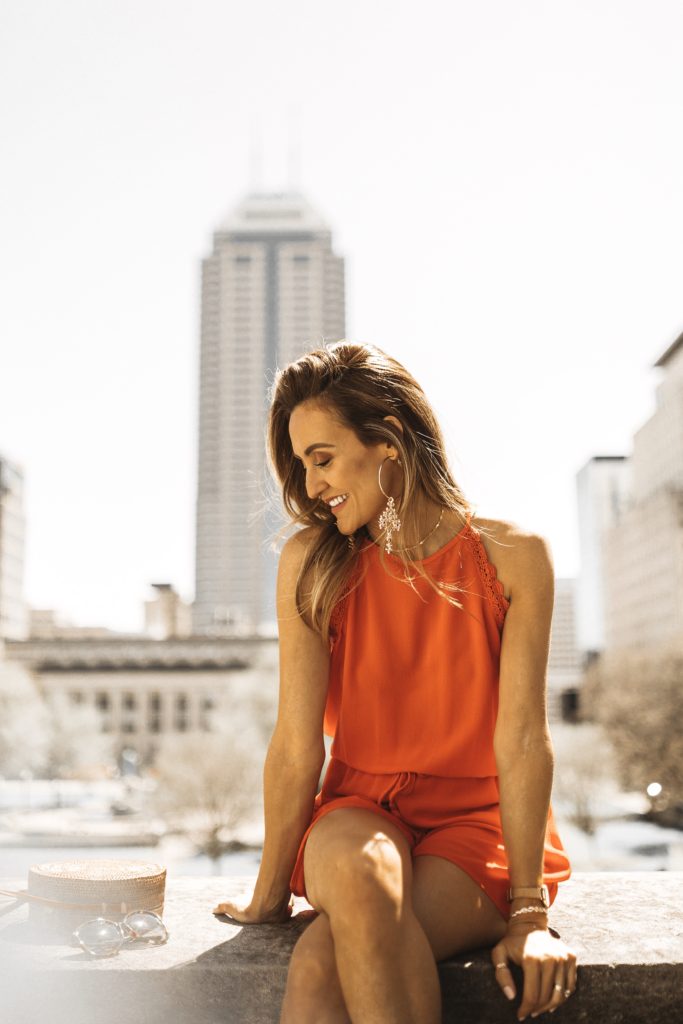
(637, 696)
(77, 745)
(24, 723)
(584, 767)
(207, 784)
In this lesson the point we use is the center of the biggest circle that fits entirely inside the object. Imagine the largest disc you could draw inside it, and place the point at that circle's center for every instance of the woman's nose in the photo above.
(315, 485)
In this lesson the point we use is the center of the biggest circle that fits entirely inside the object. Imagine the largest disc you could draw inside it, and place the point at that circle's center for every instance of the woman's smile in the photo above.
(337, 505)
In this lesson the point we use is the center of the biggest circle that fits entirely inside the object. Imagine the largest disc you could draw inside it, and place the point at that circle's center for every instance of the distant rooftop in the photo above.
(671, 351)
(261, 212)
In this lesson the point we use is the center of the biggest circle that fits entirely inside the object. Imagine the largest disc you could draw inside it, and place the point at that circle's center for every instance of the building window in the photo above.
(102, 701)
(181, 702)
(155, 702)
(128, 727)
(129, 702)
(154, 724)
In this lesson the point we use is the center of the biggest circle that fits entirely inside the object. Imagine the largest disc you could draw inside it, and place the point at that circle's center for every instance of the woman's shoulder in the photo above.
(517, 553)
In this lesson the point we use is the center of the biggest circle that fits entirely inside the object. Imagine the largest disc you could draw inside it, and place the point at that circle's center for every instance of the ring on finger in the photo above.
(567, 993)
(498, 966)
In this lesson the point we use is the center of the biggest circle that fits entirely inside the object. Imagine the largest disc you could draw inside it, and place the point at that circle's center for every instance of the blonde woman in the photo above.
(417, 636)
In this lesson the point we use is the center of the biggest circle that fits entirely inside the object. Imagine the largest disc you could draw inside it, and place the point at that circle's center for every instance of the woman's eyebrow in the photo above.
(316, 444)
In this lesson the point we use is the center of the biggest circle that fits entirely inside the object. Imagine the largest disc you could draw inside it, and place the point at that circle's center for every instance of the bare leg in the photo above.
(455, 914)
(314, 994)
(358, 871)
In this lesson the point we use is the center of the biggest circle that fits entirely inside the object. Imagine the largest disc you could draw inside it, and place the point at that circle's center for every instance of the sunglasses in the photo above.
(101, 937)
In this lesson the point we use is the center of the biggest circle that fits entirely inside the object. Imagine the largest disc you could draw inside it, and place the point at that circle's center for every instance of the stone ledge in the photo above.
(626, 928)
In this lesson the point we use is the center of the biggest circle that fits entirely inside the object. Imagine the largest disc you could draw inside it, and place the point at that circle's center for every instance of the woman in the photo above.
(422, 648)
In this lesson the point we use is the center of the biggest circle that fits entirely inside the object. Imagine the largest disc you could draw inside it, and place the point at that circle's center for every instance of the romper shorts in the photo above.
(454, 818)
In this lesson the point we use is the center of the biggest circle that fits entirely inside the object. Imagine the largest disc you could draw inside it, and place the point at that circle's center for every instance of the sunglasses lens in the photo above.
(99, 937)
(145, 927)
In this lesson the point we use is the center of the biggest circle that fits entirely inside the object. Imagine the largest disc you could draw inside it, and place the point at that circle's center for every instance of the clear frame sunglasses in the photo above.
(102, 937)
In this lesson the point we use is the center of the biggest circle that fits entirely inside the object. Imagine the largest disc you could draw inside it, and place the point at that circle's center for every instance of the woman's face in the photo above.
(338, 464)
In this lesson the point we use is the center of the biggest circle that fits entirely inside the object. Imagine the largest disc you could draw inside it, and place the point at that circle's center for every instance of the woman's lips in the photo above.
(335, 508)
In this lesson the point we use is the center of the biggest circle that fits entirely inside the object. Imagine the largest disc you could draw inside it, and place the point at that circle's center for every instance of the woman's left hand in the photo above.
(549, 969)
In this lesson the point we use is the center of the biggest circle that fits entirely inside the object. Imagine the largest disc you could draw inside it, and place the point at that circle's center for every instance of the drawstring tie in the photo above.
(401, 782)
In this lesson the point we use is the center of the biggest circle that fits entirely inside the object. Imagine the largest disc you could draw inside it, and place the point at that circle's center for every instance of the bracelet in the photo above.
(529, 910)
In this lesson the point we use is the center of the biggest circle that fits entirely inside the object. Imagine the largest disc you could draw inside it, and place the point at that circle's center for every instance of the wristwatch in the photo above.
(539, 892)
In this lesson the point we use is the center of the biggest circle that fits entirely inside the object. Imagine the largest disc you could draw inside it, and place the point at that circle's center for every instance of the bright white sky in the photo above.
(503, 179)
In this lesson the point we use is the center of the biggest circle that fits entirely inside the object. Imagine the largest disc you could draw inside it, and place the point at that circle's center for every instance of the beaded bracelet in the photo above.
(529, 910)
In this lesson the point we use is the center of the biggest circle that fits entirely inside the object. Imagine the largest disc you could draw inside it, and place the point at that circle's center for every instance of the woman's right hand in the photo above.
(252, 913)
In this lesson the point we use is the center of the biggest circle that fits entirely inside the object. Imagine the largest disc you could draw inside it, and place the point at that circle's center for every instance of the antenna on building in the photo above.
(255, 156)
(294, 151)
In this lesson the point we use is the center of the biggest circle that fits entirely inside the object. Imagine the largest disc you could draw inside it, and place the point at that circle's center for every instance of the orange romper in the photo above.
(412, 704)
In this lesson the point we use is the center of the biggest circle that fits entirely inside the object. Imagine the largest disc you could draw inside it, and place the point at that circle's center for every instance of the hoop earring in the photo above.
(389, 518)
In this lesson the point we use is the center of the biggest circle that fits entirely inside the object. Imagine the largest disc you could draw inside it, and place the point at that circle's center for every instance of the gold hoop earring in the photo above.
(388, 519)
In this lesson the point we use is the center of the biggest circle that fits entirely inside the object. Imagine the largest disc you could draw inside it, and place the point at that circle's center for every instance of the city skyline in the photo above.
(505, 192)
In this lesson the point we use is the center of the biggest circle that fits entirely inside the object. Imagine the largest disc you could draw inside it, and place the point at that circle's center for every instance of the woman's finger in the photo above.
(225, 908)
(572, 971)
(532, 987)
(550, 971)
(502, 970)
(559, 988)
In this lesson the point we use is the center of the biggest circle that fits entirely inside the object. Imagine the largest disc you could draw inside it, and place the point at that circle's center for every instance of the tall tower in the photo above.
(272, 289)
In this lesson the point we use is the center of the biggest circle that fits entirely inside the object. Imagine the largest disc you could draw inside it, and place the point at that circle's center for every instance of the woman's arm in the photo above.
(522, 743)
(524, 756)
(296, 751)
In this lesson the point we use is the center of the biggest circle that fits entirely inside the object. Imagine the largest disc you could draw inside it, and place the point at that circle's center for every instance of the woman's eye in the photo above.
(319, 464)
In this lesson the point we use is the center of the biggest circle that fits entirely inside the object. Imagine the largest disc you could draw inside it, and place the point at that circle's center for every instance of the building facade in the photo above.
(13, 611)
(272, 289)
(603, 488)
(565, 663)
(144, 690)
(643, 569)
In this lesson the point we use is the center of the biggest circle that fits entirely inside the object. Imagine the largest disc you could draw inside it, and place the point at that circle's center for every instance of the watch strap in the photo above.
(539, 892)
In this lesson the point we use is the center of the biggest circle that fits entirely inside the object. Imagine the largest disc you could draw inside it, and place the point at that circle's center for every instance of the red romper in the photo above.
(412, 704)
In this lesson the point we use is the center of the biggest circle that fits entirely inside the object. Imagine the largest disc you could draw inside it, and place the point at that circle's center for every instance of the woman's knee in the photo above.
(357, 871)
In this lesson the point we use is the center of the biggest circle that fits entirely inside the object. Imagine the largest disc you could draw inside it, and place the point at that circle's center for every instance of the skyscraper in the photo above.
(272, 289)
(644, 549)
(603, 491)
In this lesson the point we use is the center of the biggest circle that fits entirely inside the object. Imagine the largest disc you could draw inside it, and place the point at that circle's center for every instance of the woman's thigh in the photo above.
(454, 911)
(350, 848)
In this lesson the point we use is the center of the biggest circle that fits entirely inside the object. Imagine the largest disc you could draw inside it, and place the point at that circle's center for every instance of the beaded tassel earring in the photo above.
(389, 519)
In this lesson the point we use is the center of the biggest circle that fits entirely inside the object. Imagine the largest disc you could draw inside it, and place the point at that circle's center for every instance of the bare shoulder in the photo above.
(520, 556)
(297, 546)
(291, 562)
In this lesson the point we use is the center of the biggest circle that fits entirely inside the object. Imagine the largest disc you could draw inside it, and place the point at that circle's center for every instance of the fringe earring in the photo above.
(389, 519)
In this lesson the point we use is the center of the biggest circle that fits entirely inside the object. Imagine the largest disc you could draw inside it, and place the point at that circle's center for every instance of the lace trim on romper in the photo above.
(489, 575)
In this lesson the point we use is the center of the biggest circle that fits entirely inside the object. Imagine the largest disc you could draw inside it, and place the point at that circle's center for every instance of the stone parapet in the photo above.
(626, 928)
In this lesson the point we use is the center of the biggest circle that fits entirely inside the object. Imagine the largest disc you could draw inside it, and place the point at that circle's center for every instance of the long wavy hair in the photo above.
(360, 385)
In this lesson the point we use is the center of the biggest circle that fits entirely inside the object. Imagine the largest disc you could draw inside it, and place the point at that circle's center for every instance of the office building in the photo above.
(643, 570)
(272, 289)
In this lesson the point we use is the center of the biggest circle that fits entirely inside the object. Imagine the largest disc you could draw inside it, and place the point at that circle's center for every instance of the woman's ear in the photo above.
(395, 423)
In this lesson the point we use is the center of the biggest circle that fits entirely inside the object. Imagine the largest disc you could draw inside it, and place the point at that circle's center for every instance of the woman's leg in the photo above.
(358, 875)
(455, 914)
(313, 994)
